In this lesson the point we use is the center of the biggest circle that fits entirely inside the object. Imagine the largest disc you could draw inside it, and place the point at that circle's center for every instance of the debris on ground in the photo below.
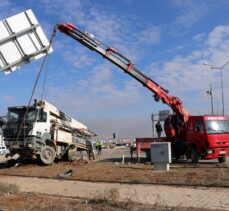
(66, 174)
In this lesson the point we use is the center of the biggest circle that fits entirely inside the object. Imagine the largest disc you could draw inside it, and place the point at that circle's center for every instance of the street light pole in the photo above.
(211, 95)
(221, 75)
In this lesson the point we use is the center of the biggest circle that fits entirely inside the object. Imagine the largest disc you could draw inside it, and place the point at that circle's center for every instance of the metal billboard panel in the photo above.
(22, 40)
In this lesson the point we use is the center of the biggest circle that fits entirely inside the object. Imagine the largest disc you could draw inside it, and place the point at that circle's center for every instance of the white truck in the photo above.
(44, 132)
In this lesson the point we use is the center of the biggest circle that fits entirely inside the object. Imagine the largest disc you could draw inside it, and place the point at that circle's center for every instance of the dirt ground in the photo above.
(39, 202)
(201, 186)
(110, 169)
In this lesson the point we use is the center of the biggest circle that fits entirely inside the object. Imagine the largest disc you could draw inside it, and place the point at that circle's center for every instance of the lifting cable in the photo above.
(36, 81)
(45, 77)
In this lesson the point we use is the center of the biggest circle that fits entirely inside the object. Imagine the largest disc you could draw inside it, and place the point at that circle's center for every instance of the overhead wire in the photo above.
(45, 77)
(35, 84)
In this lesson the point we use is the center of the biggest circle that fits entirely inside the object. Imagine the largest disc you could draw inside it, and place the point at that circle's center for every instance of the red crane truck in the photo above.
(197, 137)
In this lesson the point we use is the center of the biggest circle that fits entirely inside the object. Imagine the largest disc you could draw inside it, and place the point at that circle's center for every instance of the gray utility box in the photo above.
(161, 155)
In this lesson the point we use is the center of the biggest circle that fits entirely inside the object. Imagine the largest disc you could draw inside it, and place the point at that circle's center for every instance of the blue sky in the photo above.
(168, 40)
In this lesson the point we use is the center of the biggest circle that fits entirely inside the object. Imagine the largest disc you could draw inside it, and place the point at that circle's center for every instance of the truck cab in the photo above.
(207, 137)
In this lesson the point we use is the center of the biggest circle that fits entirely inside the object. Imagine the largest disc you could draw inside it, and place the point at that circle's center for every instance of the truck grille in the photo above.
(221, 142)
(11, 133)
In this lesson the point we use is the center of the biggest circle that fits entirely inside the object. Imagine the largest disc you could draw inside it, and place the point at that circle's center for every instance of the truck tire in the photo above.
(78, 155)
(84, 155)
(193, 155)
(148, 155)
(72, 154)
(47, 155)
(188, 152)
(222, 159)
(92, 155)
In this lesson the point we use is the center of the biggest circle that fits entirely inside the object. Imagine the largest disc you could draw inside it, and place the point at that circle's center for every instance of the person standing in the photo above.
(97, 146)
(158, 129)
(100, 146)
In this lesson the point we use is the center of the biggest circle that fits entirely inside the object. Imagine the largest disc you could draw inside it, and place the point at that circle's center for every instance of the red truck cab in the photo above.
(207, 137)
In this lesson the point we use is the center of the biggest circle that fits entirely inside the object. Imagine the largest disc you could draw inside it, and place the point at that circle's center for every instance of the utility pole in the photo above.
(221, 71)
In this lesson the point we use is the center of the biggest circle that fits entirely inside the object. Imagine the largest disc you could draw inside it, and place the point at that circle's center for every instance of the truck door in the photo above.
(42, 126)
(199, 134)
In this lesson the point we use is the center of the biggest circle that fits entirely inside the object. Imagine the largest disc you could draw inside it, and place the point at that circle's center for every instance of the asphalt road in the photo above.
(120, 154)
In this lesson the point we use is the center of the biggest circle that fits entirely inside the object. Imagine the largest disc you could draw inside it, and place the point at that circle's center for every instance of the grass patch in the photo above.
(108, 197)
(9, 188)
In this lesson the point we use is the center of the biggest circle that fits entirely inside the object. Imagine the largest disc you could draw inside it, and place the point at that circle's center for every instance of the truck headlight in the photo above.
(30, 145)
(209, 151)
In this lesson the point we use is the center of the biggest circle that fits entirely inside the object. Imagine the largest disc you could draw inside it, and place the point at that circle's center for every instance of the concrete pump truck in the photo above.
(44, 132)
(205, 136)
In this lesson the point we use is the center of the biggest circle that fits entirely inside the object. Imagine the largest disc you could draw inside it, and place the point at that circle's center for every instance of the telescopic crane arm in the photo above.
(127, 66)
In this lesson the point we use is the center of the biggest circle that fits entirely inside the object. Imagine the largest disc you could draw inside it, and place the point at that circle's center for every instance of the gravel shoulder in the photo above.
(209, 198)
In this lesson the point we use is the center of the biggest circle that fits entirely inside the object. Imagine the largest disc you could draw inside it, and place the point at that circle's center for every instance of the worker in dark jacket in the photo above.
(158, 129)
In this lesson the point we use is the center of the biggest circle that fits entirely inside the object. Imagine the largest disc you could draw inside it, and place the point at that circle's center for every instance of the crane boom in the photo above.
(127, 66)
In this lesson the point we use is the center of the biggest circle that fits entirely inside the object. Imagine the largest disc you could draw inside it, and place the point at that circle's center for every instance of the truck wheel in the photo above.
(47, 155)
(72, 154)
(92, 155)
(193, 155)
(222, 159)
(78, 155)
(148, 155)
(84, 155)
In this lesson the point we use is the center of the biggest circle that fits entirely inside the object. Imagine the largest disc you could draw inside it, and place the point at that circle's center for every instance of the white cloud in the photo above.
(187, 77)
(76, 59)
(218, 37)
(99, 93)
(189, 12)
(106, 24)
(199, 37)
(149, 36)
(184, 76)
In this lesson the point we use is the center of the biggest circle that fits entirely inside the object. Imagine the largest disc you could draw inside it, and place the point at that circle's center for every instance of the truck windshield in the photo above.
(217, 126)
(18, 114)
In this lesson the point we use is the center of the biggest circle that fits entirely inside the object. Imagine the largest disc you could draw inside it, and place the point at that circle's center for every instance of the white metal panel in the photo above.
(21, 41)
(63, 136)
(3, 31)
(161, 152)
(10, 52)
